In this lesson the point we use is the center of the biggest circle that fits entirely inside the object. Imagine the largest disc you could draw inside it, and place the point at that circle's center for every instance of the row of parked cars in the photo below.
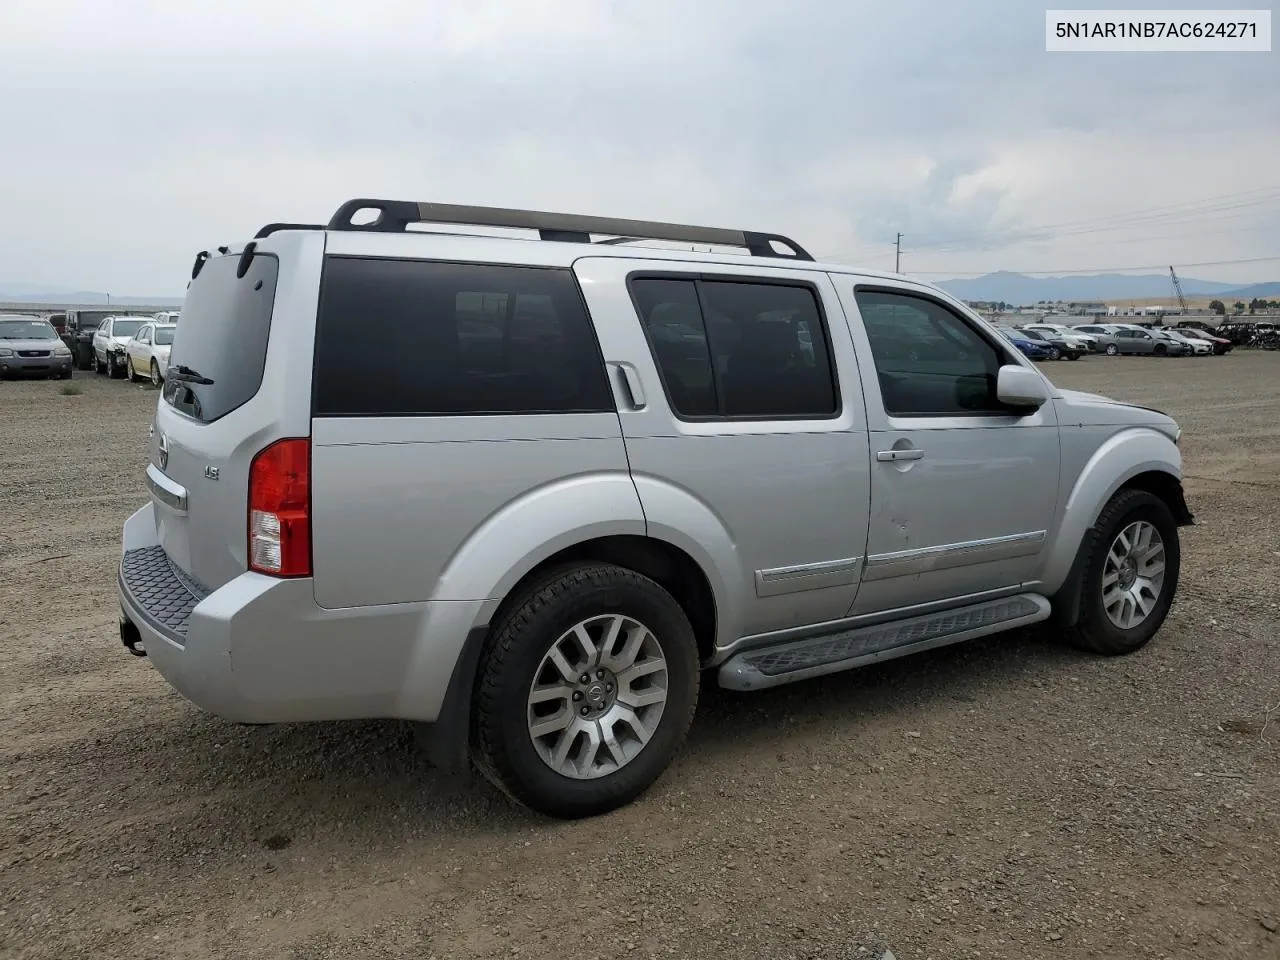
(1056, 341)
(118, 346)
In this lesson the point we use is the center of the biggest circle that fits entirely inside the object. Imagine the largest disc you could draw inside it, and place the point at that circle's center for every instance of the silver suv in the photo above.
(531, 492)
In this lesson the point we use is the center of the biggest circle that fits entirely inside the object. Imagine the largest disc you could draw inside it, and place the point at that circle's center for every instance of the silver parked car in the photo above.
(31, 347)
(588, 476)
(1104, 336)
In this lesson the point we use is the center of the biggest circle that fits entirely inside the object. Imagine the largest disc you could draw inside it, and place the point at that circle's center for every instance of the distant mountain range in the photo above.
(33, 293)
(1018, 288)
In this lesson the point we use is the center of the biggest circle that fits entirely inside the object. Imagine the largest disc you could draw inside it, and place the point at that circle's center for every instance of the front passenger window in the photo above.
(929, 360)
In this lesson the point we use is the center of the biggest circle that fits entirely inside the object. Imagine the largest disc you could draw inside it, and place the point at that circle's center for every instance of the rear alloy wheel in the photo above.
(1130, 576)
(128, 370)
(1055, 353)
(156, 379)
(1112, 349)
(586, 690)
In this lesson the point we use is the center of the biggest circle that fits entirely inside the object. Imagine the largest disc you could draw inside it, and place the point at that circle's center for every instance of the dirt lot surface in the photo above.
(1004, 798)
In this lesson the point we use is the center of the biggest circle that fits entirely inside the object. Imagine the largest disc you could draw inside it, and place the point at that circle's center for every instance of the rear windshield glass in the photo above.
(222, 338)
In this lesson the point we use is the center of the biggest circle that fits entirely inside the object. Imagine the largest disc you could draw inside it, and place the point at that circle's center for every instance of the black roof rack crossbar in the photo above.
(394, 216)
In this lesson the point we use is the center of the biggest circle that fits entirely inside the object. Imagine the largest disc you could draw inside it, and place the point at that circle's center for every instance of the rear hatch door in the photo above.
(220, 404)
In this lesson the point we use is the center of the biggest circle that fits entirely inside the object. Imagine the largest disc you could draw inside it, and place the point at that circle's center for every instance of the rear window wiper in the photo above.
(187, 375)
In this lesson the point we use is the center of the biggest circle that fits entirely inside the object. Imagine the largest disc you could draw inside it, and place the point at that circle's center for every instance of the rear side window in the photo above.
(226, 322)
(750, 350)
(423, 338)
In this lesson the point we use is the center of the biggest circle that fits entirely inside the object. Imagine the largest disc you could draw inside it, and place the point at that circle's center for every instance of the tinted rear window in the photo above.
(422, 338)
(223, 337)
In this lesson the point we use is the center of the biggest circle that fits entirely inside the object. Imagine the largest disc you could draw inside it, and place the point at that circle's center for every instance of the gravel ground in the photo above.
(1003, 798)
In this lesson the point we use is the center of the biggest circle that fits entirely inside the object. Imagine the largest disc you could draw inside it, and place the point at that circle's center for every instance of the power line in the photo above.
(1190, 211)
(1151, 266)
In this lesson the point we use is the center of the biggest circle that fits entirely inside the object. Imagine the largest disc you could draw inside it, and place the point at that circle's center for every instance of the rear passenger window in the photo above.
(929, 361)
(738, 350)
(422, 338)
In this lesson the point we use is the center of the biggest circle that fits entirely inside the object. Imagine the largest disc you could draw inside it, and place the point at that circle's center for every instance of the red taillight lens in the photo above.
(280, 509)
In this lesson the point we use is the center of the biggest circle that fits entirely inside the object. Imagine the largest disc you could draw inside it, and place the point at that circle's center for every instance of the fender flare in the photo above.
(1123, 456)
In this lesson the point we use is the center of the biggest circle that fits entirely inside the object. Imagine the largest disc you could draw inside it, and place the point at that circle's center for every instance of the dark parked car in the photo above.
(1059, 347)
(78, 334)
(1035, 349)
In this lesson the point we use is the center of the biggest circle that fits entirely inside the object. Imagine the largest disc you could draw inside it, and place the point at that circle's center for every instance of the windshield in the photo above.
(26, 330)
(126, 328)
(164, 336)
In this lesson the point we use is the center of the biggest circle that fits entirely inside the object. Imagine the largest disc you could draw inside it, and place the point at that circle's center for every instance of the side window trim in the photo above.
(697, 278)
(1005, 353)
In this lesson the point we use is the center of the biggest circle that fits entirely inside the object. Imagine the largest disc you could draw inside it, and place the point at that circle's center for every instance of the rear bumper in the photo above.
(259, 649)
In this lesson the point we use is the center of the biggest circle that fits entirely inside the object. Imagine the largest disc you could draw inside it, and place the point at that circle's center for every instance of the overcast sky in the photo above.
(135, 132)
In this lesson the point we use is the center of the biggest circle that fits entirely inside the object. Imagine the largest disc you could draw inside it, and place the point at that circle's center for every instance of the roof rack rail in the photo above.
(394, 216)
(271, 228)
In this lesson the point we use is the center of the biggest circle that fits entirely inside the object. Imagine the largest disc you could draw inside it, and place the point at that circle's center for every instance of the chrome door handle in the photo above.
(890, 456)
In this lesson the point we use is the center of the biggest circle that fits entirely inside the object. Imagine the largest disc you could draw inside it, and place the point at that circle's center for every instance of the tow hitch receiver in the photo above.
(131, 638)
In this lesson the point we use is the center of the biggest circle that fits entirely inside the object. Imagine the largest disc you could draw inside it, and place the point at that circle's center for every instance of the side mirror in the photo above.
(1018, 387)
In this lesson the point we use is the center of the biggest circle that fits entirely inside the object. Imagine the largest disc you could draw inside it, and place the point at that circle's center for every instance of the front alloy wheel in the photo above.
(1133, 574)
(1129, 565)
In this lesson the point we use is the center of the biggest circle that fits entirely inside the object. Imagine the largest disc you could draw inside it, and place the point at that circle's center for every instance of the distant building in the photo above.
(1089, 309)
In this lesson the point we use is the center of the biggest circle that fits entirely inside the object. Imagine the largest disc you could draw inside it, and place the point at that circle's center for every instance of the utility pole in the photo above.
(897, 254)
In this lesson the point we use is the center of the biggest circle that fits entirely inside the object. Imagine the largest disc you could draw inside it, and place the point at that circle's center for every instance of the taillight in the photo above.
(280, 509)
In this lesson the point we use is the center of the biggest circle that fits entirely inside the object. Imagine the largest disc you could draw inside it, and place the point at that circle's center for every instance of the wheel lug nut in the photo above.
(577, 695)
(585, 678)
(585, 710)
(608, 688)
(599, 674)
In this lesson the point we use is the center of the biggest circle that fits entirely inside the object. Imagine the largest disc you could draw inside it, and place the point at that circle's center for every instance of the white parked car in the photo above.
(147, 354)
(109, 343)
(1198, 347)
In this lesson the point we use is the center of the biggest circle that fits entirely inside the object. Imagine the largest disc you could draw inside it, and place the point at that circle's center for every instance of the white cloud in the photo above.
(148, 130)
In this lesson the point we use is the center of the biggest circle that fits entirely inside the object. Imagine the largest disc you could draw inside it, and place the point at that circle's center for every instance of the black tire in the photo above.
(1073, 356)
(1093, 629)
(1055, 353)
(1161, 350)
(129, 373)
(1112, 349)
(156, 379)
(113, 368)
(501, 746)
(98, 367)
(65, 375)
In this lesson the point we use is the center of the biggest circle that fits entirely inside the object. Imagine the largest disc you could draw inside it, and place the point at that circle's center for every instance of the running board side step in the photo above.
(815, 656)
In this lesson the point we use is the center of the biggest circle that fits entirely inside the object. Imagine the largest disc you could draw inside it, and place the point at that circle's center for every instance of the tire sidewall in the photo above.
(518, 763)
(1135, 506)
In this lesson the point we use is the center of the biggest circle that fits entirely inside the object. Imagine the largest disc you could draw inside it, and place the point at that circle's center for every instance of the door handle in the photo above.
(890, 456)
(631, 382)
